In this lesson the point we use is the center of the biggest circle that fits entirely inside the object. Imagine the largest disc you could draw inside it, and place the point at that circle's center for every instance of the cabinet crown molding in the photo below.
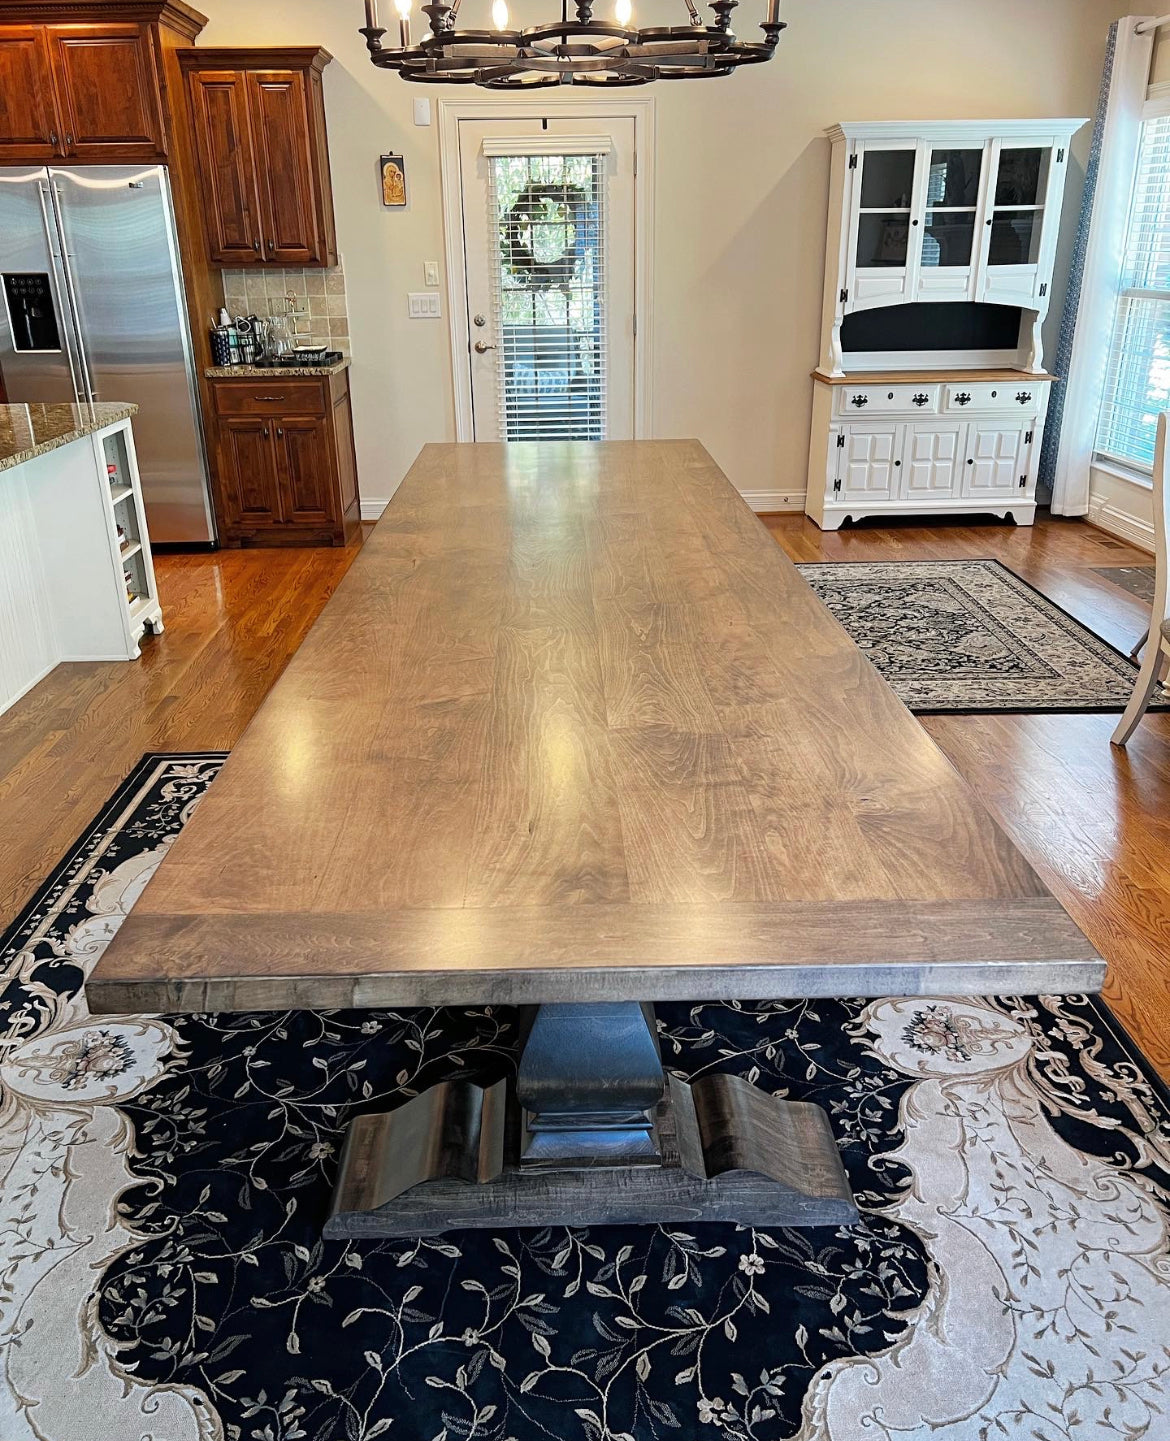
(257, 57)
(951, 129)
(173, 14)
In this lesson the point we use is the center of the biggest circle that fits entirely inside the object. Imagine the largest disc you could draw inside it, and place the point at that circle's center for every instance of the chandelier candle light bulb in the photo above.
(500, 14)
(403, 8)
(623, 12)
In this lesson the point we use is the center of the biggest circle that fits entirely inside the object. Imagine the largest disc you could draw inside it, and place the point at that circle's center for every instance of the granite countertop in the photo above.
(30, 430)
(272, 372)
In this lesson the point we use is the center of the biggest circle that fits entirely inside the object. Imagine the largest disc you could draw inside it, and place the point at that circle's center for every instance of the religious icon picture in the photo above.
(393, 180)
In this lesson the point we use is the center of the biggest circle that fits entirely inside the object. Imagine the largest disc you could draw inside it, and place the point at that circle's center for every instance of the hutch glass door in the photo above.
(882, 248)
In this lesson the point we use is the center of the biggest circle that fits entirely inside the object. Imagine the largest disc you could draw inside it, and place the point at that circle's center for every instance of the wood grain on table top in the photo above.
(576, 693)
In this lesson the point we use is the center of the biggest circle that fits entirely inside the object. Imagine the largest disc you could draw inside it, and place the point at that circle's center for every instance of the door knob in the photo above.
(481, 348)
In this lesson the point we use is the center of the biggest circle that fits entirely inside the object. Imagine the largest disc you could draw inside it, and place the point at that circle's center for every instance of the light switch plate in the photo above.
(424, 305)
(422, 111)
(430, 272)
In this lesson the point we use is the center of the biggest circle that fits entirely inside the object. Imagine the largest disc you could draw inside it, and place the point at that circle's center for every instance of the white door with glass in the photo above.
(548, 246)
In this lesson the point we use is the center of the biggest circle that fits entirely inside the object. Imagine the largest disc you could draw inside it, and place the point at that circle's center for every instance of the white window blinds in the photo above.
(548, 294)
(1137, 384)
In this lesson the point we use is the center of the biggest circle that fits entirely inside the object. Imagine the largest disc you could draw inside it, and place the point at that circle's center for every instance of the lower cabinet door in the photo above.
(251, 493)
(305, 453)
(871, 462)
(997, 458)
(932, 460)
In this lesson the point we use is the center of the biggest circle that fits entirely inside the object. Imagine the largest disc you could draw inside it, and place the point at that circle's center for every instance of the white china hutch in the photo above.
(931, 393)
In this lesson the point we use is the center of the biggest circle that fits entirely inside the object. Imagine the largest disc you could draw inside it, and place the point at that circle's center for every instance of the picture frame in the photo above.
(392, 174)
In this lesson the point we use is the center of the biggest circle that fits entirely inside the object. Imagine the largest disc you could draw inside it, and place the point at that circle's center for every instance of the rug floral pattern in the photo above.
(163, 1183)
(970, 636)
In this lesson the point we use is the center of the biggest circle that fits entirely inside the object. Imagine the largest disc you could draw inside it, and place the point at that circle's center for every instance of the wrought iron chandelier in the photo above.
(568, 51)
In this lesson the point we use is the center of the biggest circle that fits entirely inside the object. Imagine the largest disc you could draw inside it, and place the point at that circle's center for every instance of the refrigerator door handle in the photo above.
(71, 290)
(65, 300)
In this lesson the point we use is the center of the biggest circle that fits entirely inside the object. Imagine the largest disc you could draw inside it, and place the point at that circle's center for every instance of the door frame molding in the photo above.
(641, 110)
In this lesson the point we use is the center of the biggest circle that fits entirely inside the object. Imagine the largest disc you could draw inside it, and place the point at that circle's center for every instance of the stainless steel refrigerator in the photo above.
(94, 309)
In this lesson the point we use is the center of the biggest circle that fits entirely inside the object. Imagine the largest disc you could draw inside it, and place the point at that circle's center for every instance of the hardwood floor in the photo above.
(1094, 822)
(233, 619)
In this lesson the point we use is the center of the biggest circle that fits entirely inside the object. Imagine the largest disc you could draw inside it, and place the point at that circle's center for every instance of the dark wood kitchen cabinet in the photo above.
(287, 473)
(87, 82)
(259, 123)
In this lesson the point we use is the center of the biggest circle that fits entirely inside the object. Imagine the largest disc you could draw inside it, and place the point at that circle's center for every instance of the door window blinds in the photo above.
(547, 212)
(1137, 384)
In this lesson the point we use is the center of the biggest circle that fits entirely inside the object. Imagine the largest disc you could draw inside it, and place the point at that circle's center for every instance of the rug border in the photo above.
(112, 803)
(1035, 589)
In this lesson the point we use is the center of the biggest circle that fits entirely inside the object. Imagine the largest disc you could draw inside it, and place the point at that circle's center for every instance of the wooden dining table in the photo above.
(573, 735)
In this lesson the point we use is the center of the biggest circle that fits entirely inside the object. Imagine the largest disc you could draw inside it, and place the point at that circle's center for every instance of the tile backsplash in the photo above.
(319, 312)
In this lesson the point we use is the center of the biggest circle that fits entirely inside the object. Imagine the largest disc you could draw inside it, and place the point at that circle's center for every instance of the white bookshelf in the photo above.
(127, 531)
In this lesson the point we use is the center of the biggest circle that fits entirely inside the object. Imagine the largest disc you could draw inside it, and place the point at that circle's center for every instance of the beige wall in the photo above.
(741, 200)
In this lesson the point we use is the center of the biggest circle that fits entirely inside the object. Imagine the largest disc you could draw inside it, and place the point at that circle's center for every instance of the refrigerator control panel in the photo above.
(28, 297)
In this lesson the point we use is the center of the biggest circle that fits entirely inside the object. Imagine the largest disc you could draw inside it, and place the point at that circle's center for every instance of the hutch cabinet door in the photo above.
(223, 140)
(932, 460)
(304, 449)
(997, 456)
(29, 128)
(870, 462)
(948, 240)
(280, 123)
(882, 259)
(108, 88)
(1026, 180)
(248, 479)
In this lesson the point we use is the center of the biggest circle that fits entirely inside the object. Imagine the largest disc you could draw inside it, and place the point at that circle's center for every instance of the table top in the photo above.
(574, 728)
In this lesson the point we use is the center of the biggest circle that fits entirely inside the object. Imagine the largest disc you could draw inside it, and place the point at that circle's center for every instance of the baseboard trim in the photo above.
(1122, 524)
(773, 502)
(372, 509)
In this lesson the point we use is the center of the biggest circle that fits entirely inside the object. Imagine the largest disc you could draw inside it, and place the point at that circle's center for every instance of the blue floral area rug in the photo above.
(164, 1181)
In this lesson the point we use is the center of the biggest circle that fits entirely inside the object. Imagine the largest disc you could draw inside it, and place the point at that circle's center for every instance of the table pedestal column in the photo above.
(591, 1133)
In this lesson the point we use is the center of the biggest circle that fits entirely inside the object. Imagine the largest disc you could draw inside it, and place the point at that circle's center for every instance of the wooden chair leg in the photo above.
(1148, 675)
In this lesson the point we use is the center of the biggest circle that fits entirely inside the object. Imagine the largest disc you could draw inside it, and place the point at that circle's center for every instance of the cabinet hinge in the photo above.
(1028, 437)
(1023, 482)
(841, 442)
(836, 487)
(635, 162)
(853, 162)
(1059, 156)
(635, 325)
(1044, 288)
(844, 296)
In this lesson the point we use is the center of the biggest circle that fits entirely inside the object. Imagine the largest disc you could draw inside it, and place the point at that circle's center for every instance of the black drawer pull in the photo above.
(1024, 397)
(921, 399)
(963, 399)
(860, 400)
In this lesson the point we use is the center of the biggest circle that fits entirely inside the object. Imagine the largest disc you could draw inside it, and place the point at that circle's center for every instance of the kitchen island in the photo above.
(76, 579)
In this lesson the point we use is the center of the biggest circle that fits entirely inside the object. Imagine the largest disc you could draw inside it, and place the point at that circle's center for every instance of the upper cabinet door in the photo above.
(882, 249)
(109, 92)
(953, 195)
(280, 120)
(29, 126)
(1025, 184)
(223, 142)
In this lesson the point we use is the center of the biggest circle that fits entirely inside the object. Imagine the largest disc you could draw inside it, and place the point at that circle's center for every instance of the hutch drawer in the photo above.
(1021, 396)
(882, 399)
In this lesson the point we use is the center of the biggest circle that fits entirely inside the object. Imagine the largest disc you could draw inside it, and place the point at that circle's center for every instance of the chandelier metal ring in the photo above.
(565, 51)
